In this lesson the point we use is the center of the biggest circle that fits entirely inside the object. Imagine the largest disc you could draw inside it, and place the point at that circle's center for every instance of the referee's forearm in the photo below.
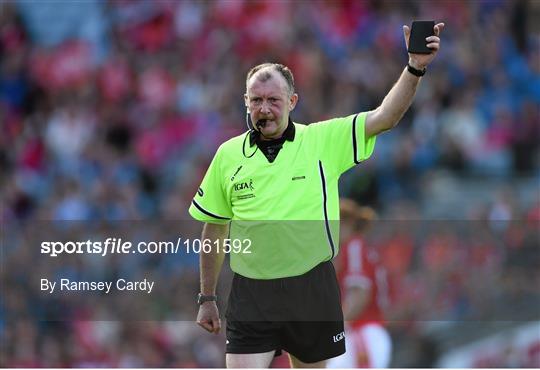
(398, 100)
(210, 263)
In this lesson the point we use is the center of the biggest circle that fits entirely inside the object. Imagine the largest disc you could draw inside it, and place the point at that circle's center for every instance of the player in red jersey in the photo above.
(364, 291)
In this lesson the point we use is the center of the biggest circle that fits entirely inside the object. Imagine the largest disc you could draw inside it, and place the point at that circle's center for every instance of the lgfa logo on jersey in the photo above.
(339, 337)
(243, 185)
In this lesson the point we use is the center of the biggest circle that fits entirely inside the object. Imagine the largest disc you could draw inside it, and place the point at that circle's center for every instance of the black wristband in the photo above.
(201, 298)
(416, 72)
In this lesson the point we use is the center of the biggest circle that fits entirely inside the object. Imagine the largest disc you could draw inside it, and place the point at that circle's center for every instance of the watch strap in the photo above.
(416, 72)
(201, 298)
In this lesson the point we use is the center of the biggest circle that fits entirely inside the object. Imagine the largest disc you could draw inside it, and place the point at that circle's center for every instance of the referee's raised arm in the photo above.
(400, 97)
(210, 267)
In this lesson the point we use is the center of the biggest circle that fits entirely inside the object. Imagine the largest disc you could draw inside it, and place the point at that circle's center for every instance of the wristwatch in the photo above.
(416, 72)
(201, 298)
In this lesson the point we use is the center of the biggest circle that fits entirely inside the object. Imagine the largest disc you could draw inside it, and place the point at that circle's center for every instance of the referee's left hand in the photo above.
(208, 317)
(421, 61)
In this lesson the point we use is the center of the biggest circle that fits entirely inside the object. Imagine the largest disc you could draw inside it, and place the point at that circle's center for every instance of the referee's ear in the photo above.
(292, 101)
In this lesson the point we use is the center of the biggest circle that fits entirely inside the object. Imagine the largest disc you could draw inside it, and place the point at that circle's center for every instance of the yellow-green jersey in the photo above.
(288, 209)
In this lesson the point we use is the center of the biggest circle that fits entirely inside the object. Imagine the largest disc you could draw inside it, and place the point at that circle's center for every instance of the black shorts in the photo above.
(301, 315)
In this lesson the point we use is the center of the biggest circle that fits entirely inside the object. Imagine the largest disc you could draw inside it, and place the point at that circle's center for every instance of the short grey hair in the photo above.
(282, 69)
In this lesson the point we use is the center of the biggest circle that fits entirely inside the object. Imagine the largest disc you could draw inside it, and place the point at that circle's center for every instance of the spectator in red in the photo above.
(363, 282)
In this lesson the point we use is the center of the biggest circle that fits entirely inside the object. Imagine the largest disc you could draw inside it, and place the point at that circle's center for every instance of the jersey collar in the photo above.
(288, 134)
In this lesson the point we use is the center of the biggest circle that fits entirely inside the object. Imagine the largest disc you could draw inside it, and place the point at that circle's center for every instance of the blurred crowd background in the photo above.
(112, 110)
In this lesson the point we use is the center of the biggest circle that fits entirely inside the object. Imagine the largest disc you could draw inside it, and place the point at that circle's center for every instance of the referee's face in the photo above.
(269, 100)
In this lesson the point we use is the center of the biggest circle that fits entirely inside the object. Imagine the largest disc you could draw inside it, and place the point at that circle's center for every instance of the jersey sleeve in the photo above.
(210, 203)
(343, 142)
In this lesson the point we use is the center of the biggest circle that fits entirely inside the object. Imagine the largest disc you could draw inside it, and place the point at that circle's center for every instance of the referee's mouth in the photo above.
(264, 123)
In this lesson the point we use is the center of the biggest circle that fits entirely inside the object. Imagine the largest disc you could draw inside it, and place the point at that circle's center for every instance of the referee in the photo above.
(270, 198)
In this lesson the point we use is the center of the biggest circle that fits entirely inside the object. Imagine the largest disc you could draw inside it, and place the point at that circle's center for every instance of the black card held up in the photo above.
(417, 41)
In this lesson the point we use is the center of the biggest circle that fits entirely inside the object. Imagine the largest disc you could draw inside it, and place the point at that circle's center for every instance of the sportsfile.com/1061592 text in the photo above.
(119, 246)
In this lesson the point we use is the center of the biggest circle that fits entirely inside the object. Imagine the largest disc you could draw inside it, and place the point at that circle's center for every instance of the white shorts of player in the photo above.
(373, 339)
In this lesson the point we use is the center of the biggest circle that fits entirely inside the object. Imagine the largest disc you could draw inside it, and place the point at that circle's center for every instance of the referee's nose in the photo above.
(265, 108)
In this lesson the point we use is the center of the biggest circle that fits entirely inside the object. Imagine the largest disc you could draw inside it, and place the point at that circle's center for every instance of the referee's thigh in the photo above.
(296, 363)
(249, 360)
